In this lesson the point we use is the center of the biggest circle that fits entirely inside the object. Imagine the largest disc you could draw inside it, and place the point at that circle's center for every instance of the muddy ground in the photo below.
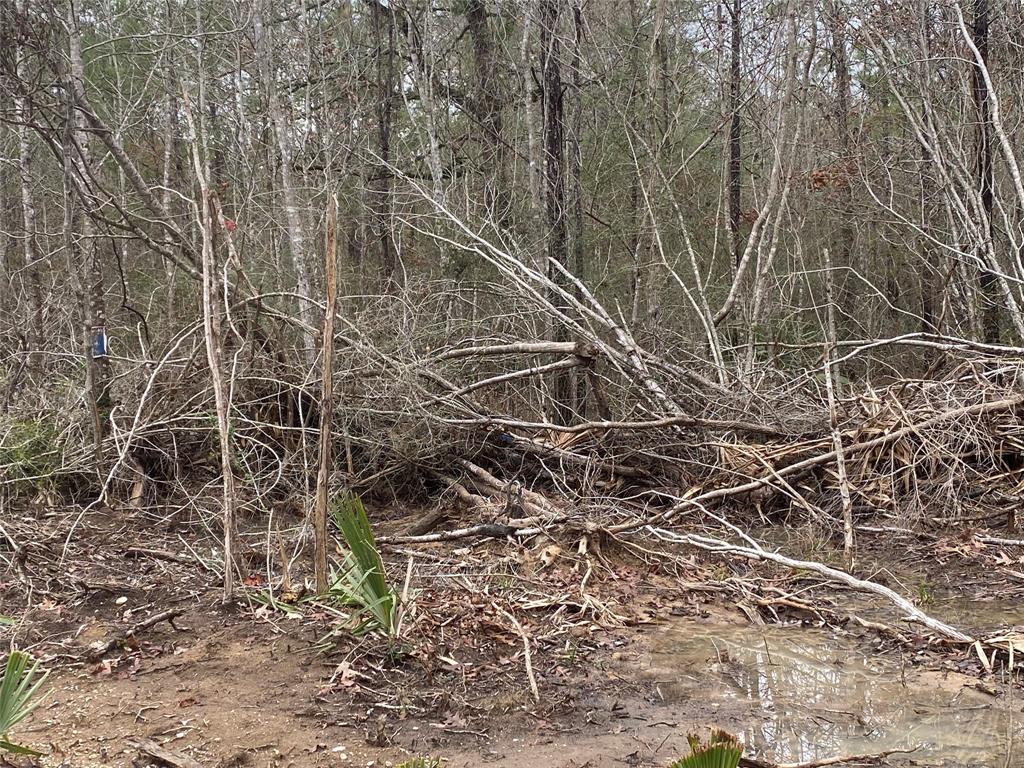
(629, 652)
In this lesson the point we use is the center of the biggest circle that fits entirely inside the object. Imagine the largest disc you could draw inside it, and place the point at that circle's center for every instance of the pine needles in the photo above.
(18, 688)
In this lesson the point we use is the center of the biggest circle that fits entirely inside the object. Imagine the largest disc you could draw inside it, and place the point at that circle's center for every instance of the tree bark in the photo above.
(380, 186)
(80, 241)
(553, 123)
(326, 399)
(988, 281)
(487, 102)
(735, 168)
(22, 110)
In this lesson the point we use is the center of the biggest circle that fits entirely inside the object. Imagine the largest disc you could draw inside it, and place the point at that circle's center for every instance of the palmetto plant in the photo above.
(722, 750)
(361, 580)
(18, 688)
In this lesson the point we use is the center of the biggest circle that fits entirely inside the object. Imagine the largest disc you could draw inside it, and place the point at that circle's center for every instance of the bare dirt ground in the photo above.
(254, 686)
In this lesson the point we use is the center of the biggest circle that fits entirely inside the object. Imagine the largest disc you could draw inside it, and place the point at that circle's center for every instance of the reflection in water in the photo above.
(815, 696)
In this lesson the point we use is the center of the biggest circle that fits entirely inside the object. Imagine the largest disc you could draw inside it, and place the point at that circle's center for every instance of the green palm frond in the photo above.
(18, 688)
(722, 750)
(361, 581)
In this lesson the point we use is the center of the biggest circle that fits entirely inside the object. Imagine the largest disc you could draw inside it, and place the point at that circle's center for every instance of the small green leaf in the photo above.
(17, 749)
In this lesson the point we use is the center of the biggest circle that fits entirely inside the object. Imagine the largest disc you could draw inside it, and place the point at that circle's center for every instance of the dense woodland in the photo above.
(420, 357)
(557, 261)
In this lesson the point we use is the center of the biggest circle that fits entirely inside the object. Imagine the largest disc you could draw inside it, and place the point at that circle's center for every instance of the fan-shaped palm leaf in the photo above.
(18, 688)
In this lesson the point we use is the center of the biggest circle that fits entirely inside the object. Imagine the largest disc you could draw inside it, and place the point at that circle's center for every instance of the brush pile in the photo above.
(543, 421)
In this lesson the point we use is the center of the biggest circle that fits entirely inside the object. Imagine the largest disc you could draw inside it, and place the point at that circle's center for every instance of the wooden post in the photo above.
(326, 398)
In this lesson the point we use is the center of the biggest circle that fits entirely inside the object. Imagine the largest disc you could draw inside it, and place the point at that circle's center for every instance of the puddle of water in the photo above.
(812, 696)
(983, 615)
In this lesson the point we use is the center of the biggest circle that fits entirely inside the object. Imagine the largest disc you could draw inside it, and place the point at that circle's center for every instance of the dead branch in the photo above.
(165, 756)
(834, 574)
(527, 656)
(101, 649)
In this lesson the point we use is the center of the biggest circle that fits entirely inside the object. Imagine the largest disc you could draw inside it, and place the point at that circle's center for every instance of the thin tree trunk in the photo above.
(214, 357)
(831, 390)
(534, 158)
(931, 280)
(735, 168)
(554, 178)
(80, 240)
(421, 51)
(214, 349)
(576, 257)
(487, 103)
(380, 187)
(35, 328)
(326, 399)
(657, 117)
(988, 281)
(206, 213)
(846, 233)
(293, 211)
(169, 167)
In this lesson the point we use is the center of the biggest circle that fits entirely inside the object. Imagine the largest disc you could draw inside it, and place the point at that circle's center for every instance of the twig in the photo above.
(492, 530)
(166, 756)
(158, 554)
(873, 757)
(527, 657)
(101, 650)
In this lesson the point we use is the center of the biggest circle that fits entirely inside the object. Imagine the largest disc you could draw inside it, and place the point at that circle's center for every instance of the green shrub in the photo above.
(361, 580)
(18, 697)
(722, 750)
(29, 450)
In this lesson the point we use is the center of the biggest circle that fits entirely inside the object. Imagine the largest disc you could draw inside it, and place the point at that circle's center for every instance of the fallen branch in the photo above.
(525, 348)
(483, 530)
(539, 370)
(163, 755)
(834, 574)
(869, 757)
(100, 649)
(691, 422)
(157, 554)
(527, 658)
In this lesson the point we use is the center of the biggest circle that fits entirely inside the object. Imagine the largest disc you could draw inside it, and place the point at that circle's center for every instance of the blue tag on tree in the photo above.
(99, 343)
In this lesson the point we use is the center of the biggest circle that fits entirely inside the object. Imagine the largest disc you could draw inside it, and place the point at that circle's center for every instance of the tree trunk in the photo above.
(657, 119)
(34, 326)
(169, 183)
(326, 400)
(931, 279)
(844, 295)
(80, 241)
(990, 294)
(380, 186)
(553, 124)
(293, 211)
(735, 169)
(486, 104)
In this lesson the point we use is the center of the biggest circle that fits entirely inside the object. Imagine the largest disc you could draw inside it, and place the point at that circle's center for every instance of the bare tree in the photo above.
(296, 225)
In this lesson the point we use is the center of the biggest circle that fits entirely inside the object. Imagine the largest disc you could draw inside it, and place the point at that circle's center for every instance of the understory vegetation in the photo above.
(563, 280)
